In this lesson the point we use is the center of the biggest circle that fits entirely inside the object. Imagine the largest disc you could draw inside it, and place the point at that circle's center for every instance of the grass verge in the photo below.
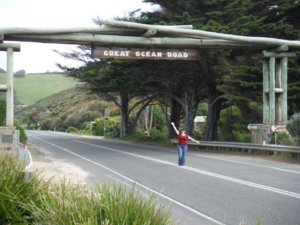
(34, 201)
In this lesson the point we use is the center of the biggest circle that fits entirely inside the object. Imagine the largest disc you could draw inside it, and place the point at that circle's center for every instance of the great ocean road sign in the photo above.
(142, 54)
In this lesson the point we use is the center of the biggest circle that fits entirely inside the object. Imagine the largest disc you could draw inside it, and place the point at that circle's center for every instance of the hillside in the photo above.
(68, 108)
(33, 87)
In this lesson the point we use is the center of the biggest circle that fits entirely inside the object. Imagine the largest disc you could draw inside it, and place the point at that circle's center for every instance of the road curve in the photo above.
(211, 189)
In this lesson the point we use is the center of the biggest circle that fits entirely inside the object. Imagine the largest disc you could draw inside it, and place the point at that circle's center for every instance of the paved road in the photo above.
(210, 189)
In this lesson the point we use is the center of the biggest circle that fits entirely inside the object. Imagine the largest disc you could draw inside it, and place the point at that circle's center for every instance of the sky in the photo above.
(38, 57)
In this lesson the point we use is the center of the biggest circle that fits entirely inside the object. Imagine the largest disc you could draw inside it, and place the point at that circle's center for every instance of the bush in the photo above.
(23, 136)
(155, 136)
(2, 112)
(232, 126)
(36, 202)
(111, 127)
(242, 136)
(283, 138)
(293, 125)
(15, 191)
(73, 130)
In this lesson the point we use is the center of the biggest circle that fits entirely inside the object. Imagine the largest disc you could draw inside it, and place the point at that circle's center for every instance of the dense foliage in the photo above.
(293, 125)
(2, 112)
(234, 77)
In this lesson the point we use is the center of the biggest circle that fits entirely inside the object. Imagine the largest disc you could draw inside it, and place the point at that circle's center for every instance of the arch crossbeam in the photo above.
(126, 34)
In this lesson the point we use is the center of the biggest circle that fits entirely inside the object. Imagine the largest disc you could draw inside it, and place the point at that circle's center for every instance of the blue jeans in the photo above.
(182, 149)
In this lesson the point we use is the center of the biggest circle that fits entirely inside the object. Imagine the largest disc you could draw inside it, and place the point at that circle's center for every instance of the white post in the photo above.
(10, 89)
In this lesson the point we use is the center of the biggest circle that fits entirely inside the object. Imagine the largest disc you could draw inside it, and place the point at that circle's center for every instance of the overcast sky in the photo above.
(36, 57)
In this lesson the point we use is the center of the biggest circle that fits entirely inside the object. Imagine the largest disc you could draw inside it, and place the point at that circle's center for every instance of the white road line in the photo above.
(137, 183)
(239, 181)
(245, 163)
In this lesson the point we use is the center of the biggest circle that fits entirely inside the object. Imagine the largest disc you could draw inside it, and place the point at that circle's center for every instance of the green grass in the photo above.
(32, 201)
(34, 87)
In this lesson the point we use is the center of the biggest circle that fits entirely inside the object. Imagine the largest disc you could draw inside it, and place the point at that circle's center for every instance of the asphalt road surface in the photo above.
(212, 188)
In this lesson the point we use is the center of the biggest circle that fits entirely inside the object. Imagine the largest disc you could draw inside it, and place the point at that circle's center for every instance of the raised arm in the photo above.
(175, 129)
(192, 139)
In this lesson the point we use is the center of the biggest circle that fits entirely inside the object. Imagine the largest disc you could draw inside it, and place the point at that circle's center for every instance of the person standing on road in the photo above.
(182, 144)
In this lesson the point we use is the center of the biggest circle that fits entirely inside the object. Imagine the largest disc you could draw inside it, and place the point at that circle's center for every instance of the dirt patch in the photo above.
(56, 170)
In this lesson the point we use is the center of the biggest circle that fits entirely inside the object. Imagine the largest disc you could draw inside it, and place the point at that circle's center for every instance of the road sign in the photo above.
(278, 128)
(252, 127)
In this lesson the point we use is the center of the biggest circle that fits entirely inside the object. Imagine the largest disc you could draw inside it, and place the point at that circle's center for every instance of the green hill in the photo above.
(33, 87)
(68, 108)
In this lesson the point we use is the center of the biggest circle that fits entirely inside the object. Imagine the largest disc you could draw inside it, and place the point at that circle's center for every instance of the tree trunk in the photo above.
(134, 121)
(151, 119)
(148, 116)
(124, 131)
(214, 109)
(190, 110)
(174, 116)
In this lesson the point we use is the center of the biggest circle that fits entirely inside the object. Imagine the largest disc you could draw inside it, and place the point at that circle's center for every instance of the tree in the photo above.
(20, 73)
(226, 73)
(118, 81)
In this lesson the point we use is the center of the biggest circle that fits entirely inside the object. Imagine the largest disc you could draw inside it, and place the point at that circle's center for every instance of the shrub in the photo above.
(123, 206)
(155, 136)
(32, 201)
(158, 135)
(15, 191)
(111, 126)
(242, 136)
(232, 127)
(23, 136)
(73, 130)
(283, 138)
(293, 125)
(2, 112)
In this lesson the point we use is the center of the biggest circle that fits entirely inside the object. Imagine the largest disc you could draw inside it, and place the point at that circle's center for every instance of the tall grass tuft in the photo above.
(15, 190)
(32, 201)
(122, 206)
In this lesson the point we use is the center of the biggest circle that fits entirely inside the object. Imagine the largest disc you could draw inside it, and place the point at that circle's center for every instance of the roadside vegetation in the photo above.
(31, 200)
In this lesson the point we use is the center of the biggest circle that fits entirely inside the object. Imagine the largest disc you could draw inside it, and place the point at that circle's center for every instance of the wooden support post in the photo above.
(278, 92)
(272, 90)
(284, 68)
(275, 87)
(266, 90)
(10, 89)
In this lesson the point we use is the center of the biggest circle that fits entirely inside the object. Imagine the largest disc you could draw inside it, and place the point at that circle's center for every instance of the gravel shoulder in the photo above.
(56, 170)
